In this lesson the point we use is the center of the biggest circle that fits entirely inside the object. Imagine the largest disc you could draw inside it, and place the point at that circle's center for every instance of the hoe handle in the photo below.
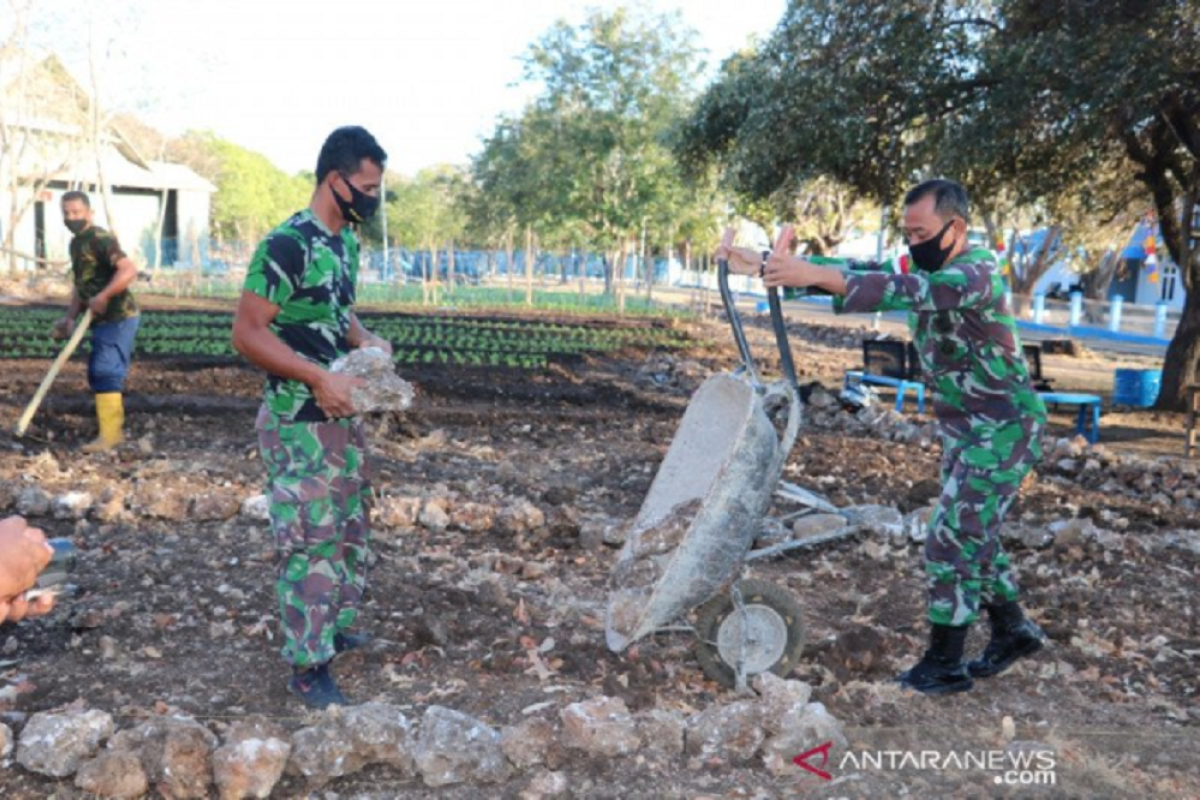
(72, 343)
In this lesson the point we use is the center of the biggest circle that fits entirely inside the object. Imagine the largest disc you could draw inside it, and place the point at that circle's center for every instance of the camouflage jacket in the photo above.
(967, 341)
(94, 256)
(310, 273)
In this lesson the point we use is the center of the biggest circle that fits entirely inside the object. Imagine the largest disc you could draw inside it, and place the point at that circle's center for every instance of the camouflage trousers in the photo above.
(320, 517)
(965, 563)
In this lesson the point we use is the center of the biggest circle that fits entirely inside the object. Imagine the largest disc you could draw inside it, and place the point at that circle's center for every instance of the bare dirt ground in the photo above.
(177, 613)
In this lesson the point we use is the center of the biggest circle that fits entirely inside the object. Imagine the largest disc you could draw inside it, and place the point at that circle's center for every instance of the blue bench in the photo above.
(1086, 403)
(901, 386)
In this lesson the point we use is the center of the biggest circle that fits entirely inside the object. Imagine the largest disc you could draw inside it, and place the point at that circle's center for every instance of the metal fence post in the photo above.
(1076, 308)
(1114, 317)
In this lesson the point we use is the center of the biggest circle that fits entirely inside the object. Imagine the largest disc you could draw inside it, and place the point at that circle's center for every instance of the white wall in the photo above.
(1151, 293)
(193, 208)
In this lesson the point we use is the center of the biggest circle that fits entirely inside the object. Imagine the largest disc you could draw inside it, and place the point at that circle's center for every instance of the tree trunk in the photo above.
(529, 259)
(1031, 273)
(450, 266)
(619, 270)
(426, 275)
(1179, 366)
(1095, 283)
(508, 262)
(581, 271)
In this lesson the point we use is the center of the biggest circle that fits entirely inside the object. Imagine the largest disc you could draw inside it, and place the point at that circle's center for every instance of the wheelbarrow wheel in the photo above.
(775, 632)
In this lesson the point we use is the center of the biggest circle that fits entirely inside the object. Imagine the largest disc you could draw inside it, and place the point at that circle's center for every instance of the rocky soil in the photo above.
(501, 503)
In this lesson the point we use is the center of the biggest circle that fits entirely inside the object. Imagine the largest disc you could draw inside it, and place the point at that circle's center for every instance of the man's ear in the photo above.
(954, 234)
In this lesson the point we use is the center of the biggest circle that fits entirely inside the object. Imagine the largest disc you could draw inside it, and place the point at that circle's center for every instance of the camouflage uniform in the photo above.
(94, 256)
(316, 467)
(989, 416)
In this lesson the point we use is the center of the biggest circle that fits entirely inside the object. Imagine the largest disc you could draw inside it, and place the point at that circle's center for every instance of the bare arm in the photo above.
(75, 306)
(124, 277)
(782, 269)
(797, 271)
(126, 273)
(359, 336)
(253, 338)
(62, 328)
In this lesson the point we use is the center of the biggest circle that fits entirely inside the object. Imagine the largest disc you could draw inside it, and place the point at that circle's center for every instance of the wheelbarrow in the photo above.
(686, 547)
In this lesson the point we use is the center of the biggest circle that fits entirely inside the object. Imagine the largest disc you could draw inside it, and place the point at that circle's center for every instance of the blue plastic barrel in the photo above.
(1136, 387)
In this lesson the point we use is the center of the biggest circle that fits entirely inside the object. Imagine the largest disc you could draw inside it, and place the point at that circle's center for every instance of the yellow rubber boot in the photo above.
(110, 412)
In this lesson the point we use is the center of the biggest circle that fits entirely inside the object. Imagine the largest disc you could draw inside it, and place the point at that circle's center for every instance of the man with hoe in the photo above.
(102, 274)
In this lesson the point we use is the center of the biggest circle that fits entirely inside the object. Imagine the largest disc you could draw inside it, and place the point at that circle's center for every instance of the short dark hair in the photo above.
(75, 194)
(950, 198)
(345, 149)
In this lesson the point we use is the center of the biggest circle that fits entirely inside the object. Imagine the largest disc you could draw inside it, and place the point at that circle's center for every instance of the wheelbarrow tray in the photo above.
(705, 506)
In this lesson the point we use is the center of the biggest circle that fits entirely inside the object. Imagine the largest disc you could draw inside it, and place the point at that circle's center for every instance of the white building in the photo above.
(158, 210)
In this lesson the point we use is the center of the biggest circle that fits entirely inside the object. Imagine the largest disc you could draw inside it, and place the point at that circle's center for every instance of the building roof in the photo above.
(50, 104)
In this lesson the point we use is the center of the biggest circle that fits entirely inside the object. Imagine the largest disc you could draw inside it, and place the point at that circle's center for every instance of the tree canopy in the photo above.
(1081, 108)
(587, 163)
(253, 195)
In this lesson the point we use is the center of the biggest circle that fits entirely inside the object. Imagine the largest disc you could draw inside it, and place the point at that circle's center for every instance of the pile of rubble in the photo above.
(178, 756)
(825, 411)
(433, 508)
(665, 371)
(1162, 482)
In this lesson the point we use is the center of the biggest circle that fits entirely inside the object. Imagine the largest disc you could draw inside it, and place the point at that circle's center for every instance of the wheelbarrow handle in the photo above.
(781, 340)
(739, 333)
(735, 320)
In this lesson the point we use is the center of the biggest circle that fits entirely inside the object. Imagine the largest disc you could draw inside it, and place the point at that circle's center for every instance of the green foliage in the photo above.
(1077, 109)
(253, 195)
(417, 339)
(427, 210)
(587, 163)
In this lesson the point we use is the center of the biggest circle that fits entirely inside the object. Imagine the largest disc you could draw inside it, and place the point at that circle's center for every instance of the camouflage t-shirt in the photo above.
(309, 272)
(966, 338)
(94, 256)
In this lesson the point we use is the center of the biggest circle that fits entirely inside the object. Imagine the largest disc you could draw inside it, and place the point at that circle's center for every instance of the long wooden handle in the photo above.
(72, 343)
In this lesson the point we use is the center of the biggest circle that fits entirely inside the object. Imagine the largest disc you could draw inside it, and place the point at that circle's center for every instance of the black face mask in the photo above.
(928, 255)
(360, 207)
(75, 226)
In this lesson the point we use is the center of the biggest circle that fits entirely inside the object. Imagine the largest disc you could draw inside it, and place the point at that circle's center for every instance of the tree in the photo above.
(253, 195)
(586, 163)
(426, 211)
(1025, 102)
(34, 92)
(1110, 85)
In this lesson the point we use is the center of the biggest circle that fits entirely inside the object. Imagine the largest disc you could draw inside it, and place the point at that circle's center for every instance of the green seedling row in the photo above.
(524, 344)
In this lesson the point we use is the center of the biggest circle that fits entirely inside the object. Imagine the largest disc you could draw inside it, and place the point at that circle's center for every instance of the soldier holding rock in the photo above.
(296, 317)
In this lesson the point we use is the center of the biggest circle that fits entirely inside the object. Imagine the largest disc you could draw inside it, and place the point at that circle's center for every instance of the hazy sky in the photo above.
(427, 77)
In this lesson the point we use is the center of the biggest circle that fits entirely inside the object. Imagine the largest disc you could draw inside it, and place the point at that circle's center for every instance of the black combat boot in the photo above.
(345, 642)
(941, 670)
(315, 687)
(1013, 637)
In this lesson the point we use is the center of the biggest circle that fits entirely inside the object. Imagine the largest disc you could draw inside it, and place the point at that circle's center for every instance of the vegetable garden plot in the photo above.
(526, 344)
